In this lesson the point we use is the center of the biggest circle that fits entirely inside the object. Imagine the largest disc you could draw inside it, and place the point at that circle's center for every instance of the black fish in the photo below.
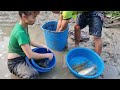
(43, 63)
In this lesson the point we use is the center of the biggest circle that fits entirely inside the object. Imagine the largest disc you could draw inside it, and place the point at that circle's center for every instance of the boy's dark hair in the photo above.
(27, 13)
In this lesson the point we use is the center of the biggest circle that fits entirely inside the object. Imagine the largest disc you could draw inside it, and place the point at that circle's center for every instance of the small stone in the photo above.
(105, 61)
(7, 75)
(0, 55)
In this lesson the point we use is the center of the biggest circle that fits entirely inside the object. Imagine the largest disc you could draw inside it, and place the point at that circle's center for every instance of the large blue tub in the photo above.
(79, 55)
(54, 40)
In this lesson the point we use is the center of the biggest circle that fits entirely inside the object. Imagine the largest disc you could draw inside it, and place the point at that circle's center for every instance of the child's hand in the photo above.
(49, 56)
(46, 48)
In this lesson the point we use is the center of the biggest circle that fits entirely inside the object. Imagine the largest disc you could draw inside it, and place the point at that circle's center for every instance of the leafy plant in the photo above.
(112, 13)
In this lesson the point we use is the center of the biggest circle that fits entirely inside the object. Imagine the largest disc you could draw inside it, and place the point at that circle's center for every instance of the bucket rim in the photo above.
(33, 61)
(53, 31)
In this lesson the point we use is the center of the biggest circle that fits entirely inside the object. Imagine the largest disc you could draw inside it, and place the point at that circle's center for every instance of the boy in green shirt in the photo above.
(19, 47)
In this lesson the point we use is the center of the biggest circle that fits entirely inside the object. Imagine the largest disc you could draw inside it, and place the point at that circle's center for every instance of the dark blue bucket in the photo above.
(35, 65)
(55, 40)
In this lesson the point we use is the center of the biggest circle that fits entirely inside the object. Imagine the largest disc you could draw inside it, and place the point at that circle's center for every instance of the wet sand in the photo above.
(110, 53)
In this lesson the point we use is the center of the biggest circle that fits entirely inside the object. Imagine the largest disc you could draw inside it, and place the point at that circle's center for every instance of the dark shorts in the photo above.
(22, 69)
(95, 21)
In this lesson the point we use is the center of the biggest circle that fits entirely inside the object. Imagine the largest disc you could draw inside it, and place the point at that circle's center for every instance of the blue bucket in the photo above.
(55, 40)
(79, 55)
(36, 66)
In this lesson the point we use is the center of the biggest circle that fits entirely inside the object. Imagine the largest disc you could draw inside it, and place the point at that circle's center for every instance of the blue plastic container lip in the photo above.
(96, 75)
(39, 70)
(34, 67)
(53, 31)
(54, 40)
(27, 60)
(42, 67)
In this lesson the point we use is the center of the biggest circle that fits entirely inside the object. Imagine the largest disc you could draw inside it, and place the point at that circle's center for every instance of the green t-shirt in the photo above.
(18, 37)
(70, 14)
(66, 14)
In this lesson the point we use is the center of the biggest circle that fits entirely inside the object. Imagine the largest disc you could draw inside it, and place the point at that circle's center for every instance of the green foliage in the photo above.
(112, 13)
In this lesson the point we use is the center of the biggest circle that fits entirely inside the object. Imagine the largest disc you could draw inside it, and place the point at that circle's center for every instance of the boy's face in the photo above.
(30, 20)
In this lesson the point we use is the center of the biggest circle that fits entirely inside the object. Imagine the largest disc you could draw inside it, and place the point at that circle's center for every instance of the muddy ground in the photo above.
(110, 53)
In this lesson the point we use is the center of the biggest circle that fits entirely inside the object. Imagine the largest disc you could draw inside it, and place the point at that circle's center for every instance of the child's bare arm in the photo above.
(34, 44)
(32, 55)
(59, 22)
(64, 25)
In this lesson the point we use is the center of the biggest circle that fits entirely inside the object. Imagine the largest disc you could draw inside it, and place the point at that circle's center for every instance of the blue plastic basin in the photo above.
(79, 55)
(36, 66)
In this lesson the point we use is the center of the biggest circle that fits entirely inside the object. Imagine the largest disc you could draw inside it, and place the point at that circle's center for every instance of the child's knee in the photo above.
(28, 73)
(32, 75)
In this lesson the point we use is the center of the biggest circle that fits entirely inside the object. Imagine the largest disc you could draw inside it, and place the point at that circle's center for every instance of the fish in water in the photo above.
(43, 63)
(89, 71)
(80, 66)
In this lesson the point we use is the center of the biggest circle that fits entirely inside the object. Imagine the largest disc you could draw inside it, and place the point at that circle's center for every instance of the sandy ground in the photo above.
(110, 53)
